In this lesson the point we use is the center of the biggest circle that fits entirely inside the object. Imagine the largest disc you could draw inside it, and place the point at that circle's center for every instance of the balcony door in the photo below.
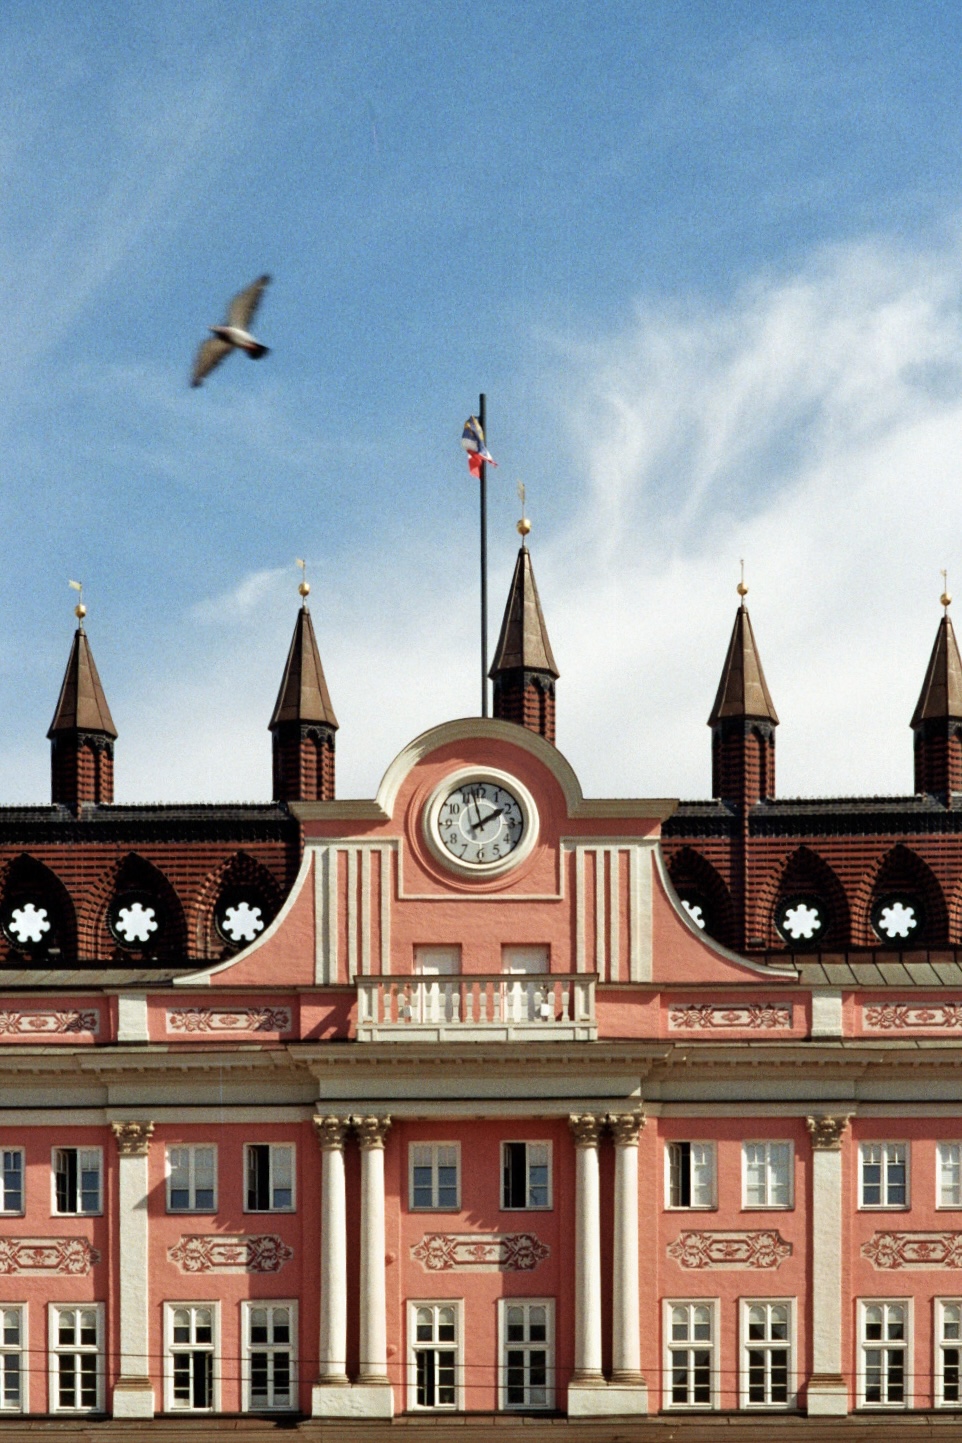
(527, 999)
(436, 1001)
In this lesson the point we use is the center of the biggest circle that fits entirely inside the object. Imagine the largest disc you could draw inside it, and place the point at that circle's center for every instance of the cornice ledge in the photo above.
(351, 809)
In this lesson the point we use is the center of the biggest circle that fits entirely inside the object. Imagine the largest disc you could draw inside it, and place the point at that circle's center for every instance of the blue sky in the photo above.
(704, 259)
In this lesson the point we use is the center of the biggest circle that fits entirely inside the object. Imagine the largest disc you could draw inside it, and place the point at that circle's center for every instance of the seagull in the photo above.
(233, 334)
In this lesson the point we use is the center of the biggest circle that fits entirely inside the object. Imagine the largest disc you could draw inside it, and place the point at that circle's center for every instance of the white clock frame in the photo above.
(526, 806)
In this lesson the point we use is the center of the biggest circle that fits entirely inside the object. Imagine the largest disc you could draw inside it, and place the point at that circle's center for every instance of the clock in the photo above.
(481, 822)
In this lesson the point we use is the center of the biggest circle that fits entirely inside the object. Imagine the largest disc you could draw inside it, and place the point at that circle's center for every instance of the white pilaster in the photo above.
(587, 1375)
(626, 1378)
(133, 1395)
(371, 1132)
(332, 1348)
(827, 1392)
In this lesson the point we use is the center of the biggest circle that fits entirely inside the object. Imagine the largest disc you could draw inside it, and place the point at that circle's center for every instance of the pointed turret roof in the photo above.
(303, 695)
(742, 691)
(82, 705)
(941, 694)
(523, 644)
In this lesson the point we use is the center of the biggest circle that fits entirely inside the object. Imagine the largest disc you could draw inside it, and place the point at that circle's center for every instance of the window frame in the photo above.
(712, 1148)
(22, 1349)
(6, 1211)
(434, 1148)
(669, 1349)
(940, 1203)
(746, 1345)
(884, 1205)
(939, 1344)
(58, 1351)
(528, 1206)
(413, 1304)
(549, 1347)
(273, 1147)
(191, 1148)
(768, 1144)
(170, 1311)
(248, 1348)
(865, 1345)
(77, 1212)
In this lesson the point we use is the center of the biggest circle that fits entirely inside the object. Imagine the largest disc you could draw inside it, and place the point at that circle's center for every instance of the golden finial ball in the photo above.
(945, 599)
(524, 526)
(742, 589)
(304, 589)
(80, 611)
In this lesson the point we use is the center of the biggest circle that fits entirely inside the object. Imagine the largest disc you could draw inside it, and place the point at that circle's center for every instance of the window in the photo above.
(884, 1175)
(434, 1362)
(270, 1339)
(190, 1356)
(11, 1180)
(691, 1175)
(767, 1174)
(77, 1172)
(948, 1352)
(76, 1358)
(884, 1345)
(766, 1371)
(270, 1177)
(527, 1353)
(435, 1175)
(192, 1179)
(13, 1359)
(950, 1174)
(690, 1347)
(526, 1175)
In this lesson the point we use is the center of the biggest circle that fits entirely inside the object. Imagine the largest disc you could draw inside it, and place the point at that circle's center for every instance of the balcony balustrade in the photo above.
(542, 1008)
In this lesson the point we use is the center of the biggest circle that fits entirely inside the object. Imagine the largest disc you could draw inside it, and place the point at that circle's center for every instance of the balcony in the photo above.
(476, 1008)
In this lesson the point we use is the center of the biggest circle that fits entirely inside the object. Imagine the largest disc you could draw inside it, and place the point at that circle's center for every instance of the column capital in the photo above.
(371, 1131)
(133, 1138)
(826, 1131)
(585, 1128)
(330, 1132)
(625, 1127)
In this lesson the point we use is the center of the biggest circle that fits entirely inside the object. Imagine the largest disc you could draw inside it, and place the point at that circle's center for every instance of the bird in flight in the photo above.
(233, 335)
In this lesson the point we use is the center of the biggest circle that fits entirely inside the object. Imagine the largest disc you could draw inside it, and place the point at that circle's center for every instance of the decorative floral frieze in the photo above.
(73, 1256)
(480, 1252)
(763, 1249)
(711, 1016)
(262, 1253)
(229, 1019)
(36, 1023)
(897, 1016)
(914, 1250)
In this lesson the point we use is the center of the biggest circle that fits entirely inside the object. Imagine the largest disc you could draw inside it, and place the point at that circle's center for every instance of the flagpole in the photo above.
(484, 561)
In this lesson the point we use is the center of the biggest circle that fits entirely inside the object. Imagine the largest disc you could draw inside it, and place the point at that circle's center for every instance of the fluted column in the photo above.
(332, 1351)
(827, 1393)
(133, 1395)
(585, 1129)
(371, 1132)
(626, 1303)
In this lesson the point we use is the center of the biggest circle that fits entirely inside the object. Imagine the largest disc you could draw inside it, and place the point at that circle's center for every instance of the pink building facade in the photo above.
(481, 1123)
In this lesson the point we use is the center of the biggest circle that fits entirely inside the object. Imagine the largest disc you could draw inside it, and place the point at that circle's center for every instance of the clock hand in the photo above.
(483, 821)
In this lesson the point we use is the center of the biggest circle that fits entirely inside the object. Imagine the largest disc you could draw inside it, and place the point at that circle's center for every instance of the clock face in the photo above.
(481, 822)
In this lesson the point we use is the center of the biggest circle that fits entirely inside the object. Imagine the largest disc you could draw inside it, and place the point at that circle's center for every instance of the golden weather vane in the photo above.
(741, 588)
(945, 598)
(79, 611)
(524, 525)
(304, 589)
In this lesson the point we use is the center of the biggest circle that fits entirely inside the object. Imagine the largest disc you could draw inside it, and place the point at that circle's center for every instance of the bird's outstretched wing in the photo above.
(241, 311)
(210, 354)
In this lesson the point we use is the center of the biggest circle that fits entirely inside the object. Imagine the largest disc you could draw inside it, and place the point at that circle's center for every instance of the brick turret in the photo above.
(82, 733)
(523, 670)
(937, 720)
(303, 723)
(743, 722)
